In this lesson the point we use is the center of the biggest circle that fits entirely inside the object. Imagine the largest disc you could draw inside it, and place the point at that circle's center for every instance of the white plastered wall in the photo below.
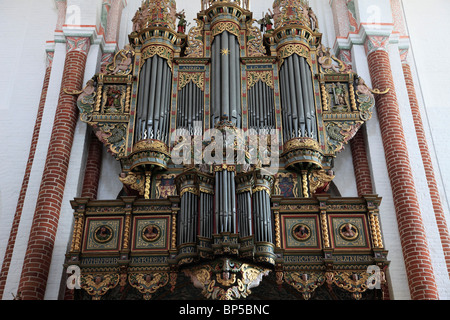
(428, 45)
(26, 26)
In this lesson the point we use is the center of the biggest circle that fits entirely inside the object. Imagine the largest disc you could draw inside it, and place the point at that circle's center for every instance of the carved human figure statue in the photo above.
(137, 20)
(88, 91)
(182, 23)
(313, 19)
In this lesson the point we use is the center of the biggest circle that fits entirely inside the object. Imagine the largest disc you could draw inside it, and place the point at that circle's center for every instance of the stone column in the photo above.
(416, 253)
(38, 256)
(361, 164)
(93, 167)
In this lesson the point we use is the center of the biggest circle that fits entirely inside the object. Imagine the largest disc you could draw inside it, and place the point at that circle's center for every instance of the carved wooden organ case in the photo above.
(225, 226)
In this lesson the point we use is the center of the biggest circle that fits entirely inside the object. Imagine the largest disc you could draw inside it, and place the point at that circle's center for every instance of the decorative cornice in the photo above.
(90, 32)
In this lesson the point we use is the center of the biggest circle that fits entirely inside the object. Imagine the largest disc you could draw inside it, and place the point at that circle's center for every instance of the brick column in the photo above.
(26, 178)
(93, 167)
(38, 256)
(361, 164)
(427, 163)
(413, 239)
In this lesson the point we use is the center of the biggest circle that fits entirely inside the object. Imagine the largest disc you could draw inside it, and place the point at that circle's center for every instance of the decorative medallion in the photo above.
(103, 234)
(348, 231)
(151, 233)
(301, 232)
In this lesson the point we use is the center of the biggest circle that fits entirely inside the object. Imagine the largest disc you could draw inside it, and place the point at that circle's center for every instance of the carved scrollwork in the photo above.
(222, 26)
(328, 62)
(198, 78)
(255, 45)
(293, 48)
(162, 51)
(195, 48)
(264, 76)
(134, 181)
(339, 133)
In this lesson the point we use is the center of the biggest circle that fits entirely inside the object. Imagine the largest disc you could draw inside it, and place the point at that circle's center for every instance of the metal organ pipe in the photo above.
(226, 79)
(297, 96)
(153, 110)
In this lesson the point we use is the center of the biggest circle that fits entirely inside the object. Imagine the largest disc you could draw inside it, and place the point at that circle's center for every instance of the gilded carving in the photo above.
(226, 279)
(198, 78)
(195, 41)
(134, 181)
(293, 48)
(222, 26)
(162, 51)
(98, 285)
(305, 283)
(122, 64)
(328, 62)
(319, 179)
(255, 46)
(148, 283)
(254, 76)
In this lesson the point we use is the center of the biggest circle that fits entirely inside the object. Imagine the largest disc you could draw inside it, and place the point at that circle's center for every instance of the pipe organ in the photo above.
(230, 100)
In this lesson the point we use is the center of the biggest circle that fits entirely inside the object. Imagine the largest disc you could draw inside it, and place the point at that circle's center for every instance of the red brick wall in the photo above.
(361, 164)
(412, 233)
(428, 165)
(46, 217)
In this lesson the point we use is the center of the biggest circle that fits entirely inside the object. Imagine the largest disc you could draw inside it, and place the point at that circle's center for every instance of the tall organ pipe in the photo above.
(226, 79)
(297, 96)
(153, 109)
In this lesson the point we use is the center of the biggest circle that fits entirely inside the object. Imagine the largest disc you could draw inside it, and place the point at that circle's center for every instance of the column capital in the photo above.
(404, 55)
(374, 43)
(80, 44)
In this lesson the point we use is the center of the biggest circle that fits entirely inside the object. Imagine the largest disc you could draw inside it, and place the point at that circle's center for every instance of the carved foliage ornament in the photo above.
(162, 51)
(198, 78)
(220, 27)
(254, 76)
(290, 49)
